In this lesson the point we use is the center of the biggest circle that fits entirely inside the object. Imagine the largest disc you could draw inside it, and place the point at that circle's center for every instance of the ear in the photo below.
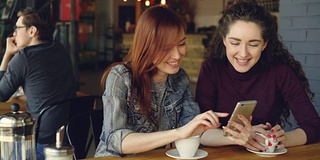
(224, 41)
(265, 45)
(33, 31)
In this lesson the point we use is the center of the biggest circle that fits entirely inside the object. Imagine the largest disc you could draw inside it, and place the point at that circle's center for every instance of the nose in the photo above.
(176, 53)
(243, 52)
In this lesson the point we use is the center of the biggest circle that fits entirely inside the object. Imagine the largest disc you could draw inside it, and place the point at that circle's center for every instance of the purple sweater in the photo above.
(220, 87)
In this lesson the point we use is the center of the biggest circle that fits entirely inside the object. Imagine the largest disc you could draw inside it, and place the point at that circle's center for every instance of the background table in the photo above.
(304, 152)
(21, 100)
(6, 106)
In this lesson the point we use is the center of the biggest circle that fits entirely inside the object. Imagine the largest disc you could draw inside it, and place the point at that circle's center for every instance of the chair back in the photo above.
(78, 106)
(80, 135)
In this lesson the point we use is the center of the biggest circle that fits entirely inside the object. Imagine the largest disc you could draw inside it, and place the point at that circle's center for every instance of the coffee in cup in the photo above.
(188, 147)
(270, 142)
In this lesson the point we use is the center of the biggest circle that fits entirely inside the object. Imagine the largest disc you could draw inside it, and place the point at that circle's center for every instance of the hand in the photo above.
(279, 134)
(201, 123)
(262, 127)
(11, 47)
(244, 135)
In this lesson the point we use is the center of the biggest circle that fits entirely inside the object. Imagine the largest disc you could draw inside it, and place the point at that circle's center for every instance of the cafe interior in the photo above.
(100, 32)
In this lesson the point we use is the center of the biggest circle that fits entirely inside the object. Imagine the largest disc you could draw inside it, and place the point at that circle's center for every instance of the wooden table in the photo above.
(6, 106)
(232, 152)
(21, 100)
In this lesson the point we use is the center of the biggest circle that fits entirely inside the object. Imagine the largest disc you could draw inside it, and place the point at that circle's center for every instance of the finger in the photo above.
(277, 131)
(260, 130)
(237, 140)
(207, 120)
(247, 125)
(209, 123)
(276, 128)
(245, 121)
(232, 130)
(10, 39)
(256, 145)
(249, 146)
(221, 114)
(235, 125)
(210, 116)
(263, 126)
(280, 145)
(214, 116)
(282, 139)
(259, 140)
(269, 125)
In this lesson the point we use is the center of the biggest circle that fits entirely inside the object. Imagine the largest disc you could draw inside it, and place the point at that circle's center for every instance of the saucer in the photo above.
(266, 154)
(173, 153)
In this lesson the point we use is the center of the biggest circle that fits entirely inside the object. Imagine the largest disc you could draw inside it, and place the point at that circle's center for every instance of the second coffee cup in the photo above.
(188, 147)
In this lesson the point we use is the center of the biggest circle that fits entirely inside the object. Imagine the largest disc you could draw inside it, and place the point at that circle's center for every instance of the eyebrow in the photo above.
(237, 39)
(184, 38)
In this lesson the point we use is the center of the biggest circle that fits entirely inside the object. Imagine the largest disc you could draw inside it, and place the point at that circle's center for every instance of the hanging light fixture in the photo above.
(163, 2)
(147, 3)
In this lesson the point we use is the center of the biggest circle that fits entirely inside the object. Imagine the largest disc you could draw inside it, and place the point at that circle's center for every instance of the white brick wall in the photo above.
(299, 27)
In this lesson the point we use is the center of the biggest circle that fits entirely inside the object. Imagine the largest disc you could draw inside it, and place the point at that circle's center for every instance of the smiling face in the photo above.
(244, 45)
(171, 63)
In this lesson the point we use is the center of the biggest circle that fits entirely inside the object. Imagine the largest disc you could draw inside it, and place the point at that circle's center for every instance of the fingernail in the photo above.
(239, 116)
(269, 136)
(274, 136)
(272, 130)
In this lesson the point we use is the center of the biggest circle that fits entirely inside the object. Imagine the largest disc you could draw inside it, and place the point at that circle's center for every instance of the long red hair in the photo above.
(157, 32)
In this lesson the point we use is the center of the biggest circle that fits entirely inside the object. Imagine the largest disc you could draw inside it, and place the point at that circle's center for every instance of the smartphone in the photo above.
(243, 107)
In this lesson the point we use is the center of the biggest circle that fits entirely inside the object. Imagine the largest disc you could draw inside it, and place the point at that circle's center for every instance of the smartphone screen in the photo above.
(243, 107)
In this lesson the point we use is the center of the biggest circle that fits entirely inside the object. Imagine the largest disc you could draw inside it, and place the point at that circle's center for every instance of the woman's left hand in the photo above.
(279, 133)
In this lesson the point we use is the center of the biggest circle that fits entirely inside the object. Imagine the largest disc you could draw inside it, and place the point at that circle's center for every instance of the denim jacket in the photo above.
(120, 119)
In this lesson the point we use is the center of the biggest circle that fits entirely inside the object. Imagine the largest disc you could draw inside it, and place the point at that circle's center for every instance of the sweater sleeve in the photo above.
(300, 105)
(12, 79)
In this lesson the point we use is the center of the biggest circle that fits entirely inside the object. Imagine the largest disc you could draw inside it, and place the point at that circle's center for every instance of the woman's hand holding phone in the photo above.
(244, 135)
(242, 108)
(239, 128)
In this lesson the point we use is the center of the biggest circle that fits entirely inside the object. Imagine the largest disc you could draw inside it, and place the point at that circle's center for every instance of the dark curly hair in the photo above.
(274, 53)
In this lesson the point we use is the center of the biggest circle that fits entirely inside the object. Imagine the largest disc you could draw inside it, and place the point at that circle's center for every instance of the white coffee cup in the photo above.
(269, 142)
(188, 147)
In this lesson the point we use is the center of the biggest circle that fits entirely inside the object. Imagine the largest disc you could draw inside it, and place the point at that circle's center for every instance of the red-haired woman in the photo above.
(147, 99)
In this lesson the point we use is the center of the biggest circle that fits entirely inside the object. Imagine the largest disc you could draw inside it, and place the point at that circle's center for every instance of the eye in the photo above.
(234, 43)
(253, 45)
(182, 44)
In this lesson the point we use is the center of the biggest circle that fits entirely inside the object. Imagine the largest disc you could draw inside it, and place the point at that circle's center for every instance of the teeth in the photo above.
(242, 60)
(173, 63)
